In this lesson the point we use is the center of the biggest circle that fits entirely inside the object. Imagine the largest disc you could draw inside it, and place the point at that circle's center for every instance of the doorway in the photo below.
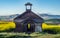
(29, 27)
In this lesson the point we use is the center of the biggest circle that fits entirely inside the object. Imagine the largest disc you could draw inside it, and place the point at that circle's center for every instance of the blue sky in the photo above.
(8, 7)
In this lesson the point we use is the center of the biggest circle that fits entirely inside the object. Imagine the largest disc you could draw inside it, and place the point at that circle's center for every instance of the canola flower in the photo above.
(49, 26)
(6, 25)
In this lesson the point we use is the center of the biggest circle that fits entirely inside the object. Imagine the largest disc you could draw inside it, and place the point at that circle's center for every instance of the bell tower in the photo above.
(28, 6)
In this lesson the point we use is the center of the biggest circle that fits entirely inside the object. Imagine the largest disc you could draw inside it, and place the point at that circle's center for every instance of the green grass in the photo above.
(24, 35)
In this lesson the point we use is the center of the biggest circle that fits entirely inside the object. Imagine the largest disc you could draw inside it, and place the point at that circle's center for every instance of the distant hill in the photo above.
(47, 16)
(55, 21)
(8, 18)
(44, 16)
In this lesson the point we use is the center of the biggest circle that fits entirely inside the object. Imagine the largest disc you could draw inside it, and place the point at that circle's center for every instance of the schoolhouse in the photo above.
(28, 21)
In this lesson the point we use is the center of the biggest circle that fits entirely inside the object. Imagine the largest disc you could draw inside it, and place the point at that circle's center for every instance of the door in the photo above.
(29, 27)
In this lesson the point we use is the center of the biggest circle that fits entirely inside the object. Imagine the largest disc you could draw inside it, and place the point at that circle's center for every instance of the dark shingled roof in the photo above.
(29, 15)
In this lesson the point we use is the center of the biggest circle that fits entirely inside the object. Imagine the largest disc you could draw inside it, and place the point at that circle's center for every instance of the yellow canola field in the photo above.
(6, 25)
(45, 26)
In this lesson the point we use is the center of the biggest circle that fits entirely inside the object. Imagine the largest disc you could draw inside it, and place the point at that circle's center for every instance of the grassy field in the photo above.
(24, 35)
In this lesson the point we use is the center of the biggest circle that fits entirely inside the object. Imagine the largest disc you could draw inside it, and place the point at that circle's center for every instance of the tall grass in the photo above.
(24, 35)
